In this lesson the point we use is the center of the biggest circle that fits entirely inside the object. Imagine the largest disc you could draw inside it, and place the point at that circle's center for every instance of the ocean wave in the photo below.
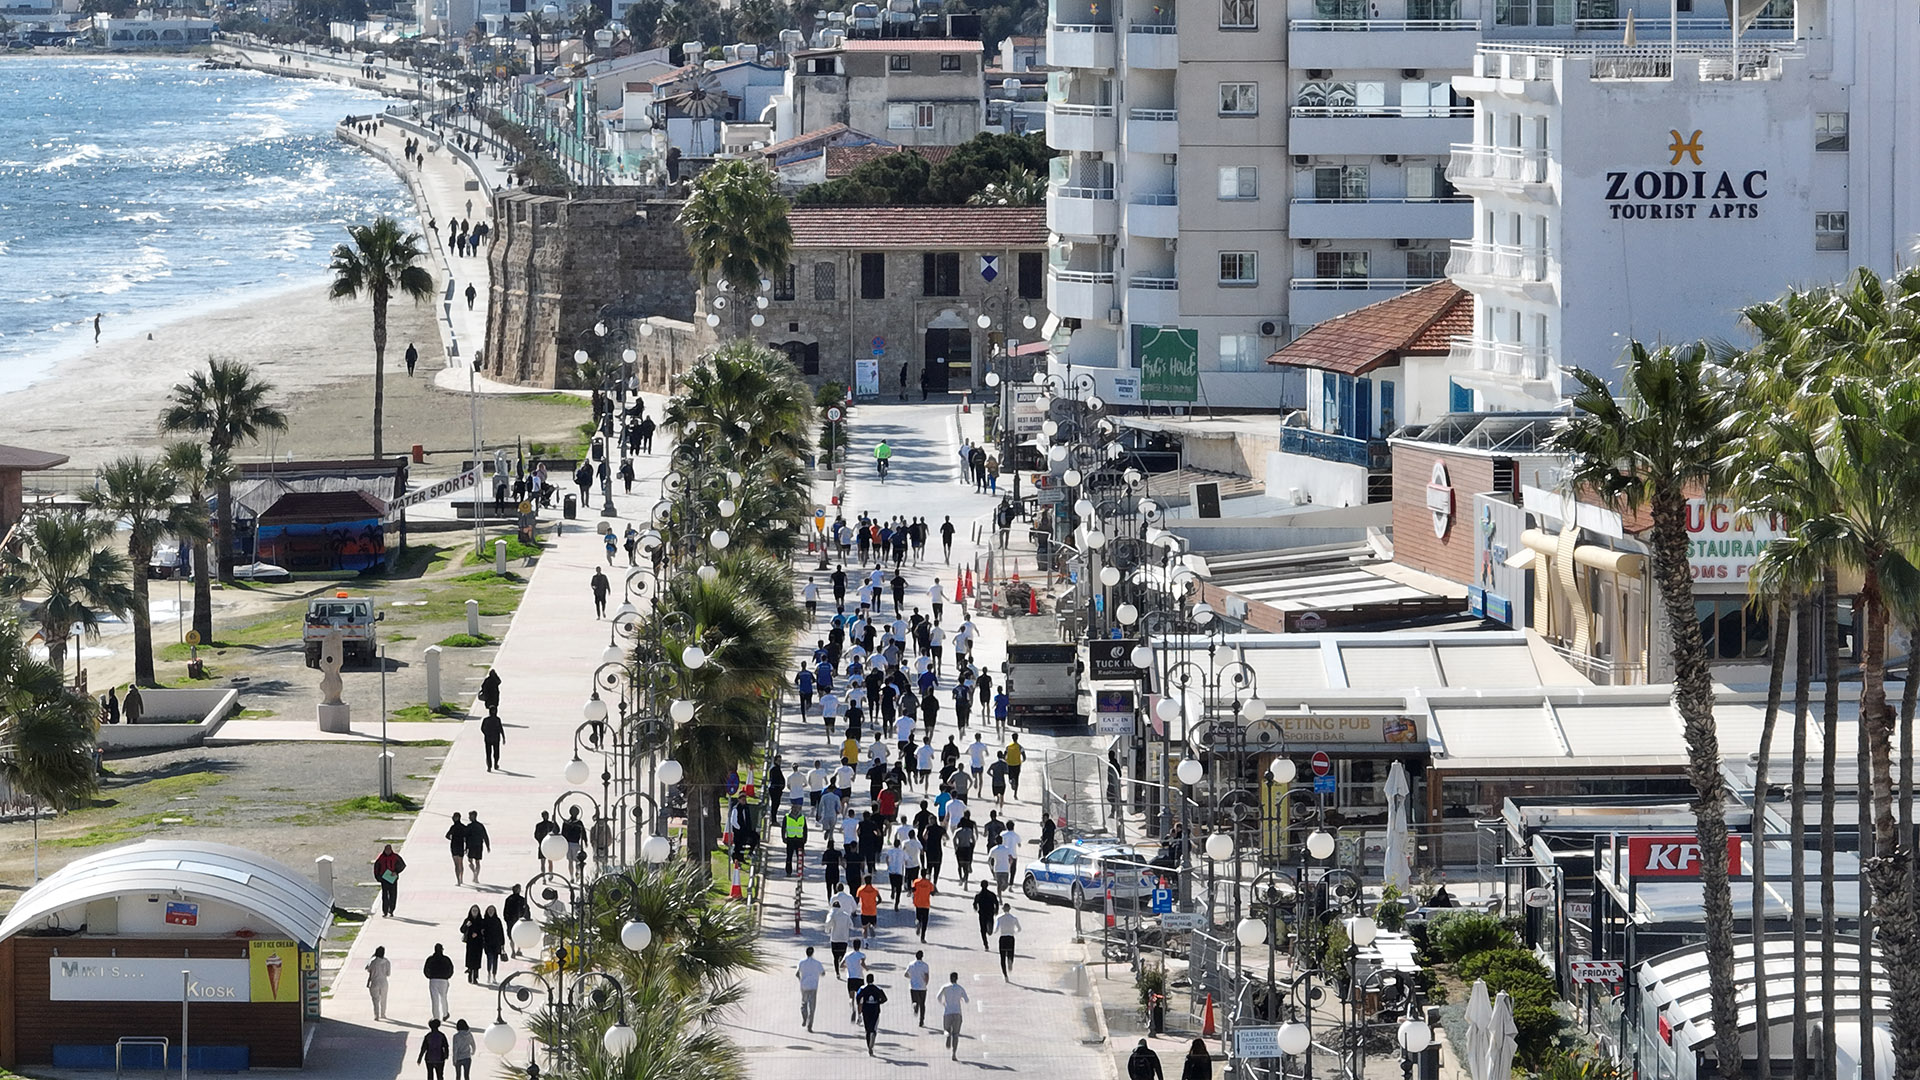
(143, 217)
(82, 153)
(148, 263)
(273, 126)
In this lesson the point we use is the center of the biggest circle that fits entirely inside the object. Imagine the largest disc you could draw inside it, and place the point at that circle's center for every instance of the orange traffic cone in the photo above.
(734, 893)
(969, 582)
(1206, 1026)
(956, 591)
(1033, 601)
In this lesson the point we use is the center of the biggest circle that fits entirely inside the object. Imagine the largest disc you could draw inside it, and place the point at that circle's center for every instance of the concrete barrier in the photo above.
(171, 718)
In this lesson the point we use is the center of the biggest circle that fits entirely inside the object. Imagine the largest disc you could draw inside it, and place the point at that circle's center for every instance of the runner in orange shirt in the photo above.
(923, 891)
(869, 898)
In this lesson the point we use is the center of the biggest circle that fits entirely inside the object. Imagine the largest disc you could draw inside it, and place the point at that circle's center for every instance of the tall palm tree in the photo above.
(739, 404)
(188, 461)
(228, 404)
(146, 496)
(382, 262)
(736, 226)
(1019, 187)
(537, 28)
(1649, 449)
(46, 726)
(63, 561)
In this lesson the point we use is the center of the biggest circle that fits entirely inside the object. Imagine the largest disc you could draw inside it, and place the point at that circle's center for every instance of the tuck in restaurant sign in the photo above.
(1723, 545)
(145, 978)
(1688, 189)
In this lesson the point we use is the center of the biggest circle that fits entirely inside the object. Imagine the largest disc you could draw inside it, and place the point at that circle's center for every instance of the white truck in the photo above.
(354, 617)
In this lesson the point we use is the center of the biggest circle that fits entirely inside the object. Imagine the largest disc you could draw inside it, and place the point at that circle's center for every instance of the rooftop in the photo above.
(1418, 323)
(21, 459)
(907, 45)
(919, 227)
(842, 160)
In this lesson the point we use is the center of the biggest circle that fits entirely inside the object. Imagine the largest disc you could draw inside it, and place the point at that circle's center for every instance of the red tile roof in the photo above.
(907, 45)
(842, 160)
(972, 228)
(1417, 323)
(21, 459)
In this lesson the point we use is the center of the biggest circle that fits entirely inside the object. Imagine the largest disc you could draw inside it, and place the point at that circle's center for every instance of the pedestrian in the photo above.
(490, 691)
(439, 973)
(986, 906)
(1199, 1063)
(997, 775)
(809, 971)
(379, 969)
(471, 294)
(478, 842)
(612, 545)
(514, 909)
(413, 357)
(473, 934)
(839, 930)
(626, 480)
(1047, 836)
(923, 891)
(918, 975)
(1006, 928)
(869, 897)
(1016, 756)
(793, 829)
(542, 829)
(387, 868)
(1000, 860)
(1144, 1064)
(896, 857)
(964, 838)
(856, 977)
(493, 733)
(97, 316)
(462, 1051)
(953, 1002)
(434, 1049)
(457, 847)
(574, 832)
(946, 540)
(601, 586)
(869, 999)
(494, 940)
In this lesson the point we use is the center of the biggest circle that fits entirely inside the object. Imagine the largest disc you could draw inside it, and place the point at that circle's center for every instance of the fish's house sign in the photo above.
(1440, 499)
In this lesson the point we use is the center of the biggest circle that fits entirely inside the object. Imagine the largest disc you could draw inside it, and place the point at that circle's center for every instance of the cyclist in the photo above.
(881, 454)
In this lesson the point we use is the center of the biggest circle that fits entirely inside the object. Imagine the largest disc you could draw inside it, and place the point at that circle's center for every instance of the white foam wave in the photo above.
(148, 263)
(144, 217)
(82, 153)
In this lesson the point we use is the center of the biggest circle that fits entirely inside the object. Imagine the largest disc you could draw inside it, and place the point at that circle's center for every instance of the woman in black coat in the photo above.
(1199, 1063)
(473, 931)
(493, 938)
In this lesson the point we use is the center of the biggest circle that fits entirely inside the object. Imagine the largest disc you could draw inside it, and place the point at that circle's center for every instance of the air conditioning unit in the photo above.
(1295, 497)
(1411, 73)
(1070, 323)
(1270, 328)
(1390, 159)
(1305, 242)
(1171, 159)
(1403, 243)
(1316, 73)
(1114, 316)
(1301, 161)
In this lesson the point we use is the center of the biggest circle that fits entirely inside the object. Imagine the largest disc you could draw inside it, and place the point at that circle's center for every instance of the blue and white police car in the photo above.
(1077, 873)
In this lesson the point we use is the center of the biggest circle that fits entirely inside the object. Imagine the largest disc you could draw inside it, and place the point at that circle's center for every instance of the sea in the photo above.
(140, 189)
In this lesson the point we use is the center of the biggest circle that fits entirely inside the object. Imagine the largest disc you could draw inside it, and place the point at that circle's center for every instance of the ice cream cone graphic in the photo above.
(273, 963)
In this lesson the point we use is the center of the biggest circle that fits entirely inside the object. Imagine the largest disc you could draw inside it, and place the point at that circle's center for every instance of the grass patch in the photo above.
(559, 399)
(516, 549)
(466, 641)
(414, 714)
(115, 832)
(257, 714)
(374, 804)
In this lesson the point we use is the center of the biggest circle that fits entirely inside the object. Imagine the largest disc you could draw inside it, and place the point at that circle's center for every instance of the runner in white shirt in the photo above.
(953, 1001)
(878, 751)
(839, 927)
(956, 809)
(849, 830)
(809, 971)
(903, 727)
(1006, 927)
(923, 763)
(1000, 859)
(977, 756)
(844, 774)
(917, 976)
(857, 974)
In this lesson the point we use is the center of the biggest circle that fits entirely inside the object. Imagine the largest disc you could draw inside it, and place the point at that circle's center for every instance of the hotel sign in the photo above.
(1674, 194)
(123, 978)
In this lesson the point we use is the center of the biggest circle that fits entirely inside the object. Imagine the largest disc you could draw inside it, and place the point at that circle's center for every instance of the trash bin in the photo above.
(569, 507)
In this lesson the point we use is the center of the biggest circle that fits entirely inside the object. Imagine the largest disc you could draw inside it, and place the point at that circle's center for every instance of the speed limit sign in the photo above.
(833, 414)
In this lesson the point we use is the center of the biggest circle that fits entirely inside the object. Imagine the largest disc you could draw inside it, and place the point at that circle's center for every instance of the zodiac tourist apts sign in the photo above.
(1674, 194)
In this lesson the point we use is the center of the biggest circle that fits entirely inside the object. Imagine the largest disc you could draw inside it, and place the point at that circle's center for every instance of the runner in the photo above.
(953, 1001)
(809, 971)
(1006, 928)
(917, 976)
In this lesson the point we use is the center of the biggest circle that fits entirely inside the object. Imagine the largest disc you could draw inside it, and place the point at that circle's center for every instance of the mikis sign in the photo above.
(1685, 194)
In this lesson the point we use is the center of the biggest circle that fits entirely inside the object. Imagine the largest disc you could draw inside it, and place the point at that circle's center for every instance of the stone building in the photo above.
(563, 264)
(911, 91)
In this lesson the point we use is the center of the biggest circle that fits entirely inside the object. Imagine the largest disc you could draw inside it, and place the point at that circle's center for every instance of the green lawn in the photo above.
(414, 714)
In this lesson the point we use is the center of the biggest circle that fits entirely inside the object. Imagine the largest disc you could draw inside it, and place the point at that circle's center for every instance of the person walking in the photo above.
(946, 540)
(379, 970)
(513, 910)
(1144, 1064)
(793, 829)
(493, 939)
(473, 934)
(462, 1051)
(953, 1004)
(439, 974)
(601, 587)
(918, 974)
(490, 691)
(493, 734)
(478, 842)
(869, 999)
(387, 868)
(986, 905)
(809, 972)
(1199, 1063)
(434, 1050)
(1006, 928)
(923, 890)
(472, 294)
(542, 829)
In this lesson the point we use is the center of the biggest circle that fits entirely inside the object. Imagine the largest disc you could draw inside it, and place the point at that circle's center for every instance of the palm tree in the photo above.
(188, 462)
(1019, 187)
(536, 27)
(1648, 450)
(62, 560)
(46, 727)
(145, 495)
(741, 403)
(382, 262)
(736, 226)
(228, 404)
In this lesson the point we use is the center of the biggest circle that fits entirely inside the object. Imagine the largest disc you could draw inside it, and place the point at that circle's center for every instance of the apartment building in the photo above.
(909, 91)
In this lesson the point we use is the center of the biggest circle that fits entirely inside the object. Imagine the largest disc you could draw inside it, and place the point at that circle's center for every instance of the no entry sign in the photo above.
(1322, 764)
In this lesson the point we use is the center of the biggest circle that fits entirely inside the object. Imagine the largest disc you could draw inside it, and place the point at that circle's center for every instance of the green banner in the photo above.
(1169, 363)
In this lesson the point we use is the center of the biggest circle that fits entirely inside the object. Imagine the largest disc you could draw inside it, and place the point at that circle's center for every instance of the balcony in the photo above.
(1363, 219)
(1363, 44)
(1153, 131)
(1507, 358)
(1081, 294)
(1154, 215)
(1153, 45)
(1082, 211)
(1153, 300)
(1315, 300)
(1080, 45)
(1518, 269)
(1370, 454)
(1378, 129)
(1509, 169)
(1080, 127)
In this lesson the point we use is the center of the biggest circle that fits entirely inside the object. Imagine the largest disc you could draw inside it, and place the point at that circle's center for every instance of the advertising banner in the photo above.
(274, 970)
(1169, 364)
(145, 978)
(866, 377)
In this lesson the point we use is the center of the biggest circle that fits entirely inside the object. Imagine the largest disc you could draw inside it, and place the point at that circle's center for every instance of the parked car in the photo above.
(1076, 873)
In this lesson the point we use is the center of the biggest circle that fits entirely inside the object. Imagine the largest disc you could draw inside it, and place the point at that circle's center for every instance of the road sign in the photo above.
(1579, 909)
(833, 414)
(1180, 920)
(1323, 785)
(1162, 901)
(1322, 764)
(193, 637)
(1256, 1042)
(1595, 971)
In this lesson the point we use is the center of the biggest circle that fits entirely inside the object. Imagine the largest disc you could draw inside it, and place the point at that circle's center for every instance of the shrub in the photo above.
(1456, 935)
(1391, 912)
(1501, 966)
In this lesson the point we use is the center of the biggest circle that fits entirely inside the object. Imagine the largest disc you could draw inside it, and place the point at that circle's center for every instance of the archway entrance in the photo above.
(949, 353)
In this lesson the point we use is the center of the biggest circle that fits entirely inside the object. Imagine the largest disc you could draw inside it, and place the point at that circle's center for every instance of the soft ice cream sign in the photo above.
(1723, 544)
(1681, 193)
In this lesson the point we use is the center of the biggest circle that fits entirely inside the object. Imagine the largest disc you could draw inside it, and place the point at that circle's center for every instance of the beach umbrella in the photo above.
(1398, 871)
(1504, 1040)
(1629, 39)
(1479, 1029)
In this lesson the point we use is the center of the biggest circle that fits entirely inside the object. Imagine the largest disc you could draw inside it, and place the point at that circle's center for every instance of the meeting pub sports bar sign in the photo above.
(1685, 194)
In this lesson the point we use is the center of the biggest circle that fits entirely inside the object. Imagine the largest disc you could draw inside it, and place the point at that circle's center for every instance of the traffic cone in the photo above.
(956, 591)
(734, 893)
(1033, 601)
(1206, 1028)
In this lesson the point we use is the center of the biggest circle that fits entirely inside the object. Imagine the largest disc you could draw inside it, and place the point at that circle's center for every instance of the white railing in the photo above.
(1500, 357)
(1067, 108)
(1159, 198)
(1069, 191)
(1523, 165)
(1139, 281)
(1084, 277)
(1389, 112)
(1360, 283)
(1388, 25)
(1159, 115)
(1152, 28)
(1081, 28)
(1387, 201)
(1510, 261)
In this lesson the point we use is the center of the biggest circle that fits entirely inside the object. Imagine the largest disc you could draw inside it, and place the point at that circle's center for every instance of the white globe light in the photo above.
(1056, 454)
(1083, 508)
(693, 656)
(500, 1038)
(727, 507)
(1190, 772)
(681, 710)
(1131, 476)
(1148, 507)
(765, 284)
(719, 301)
(1095, 403)
(600, 329)
(579, 356)
(1142, 655)
(1361, 930)
(1109, 576)
(594, 709)
(1413, 1035)
(759, 319)
(720, 539)
(526, 932)
(733, 478)
(713, 320)
(1252, 709)
(1202, 614)
(1220, 847)
(707, 574)
(1282, 770)
(656, 849)
(1072, 477)
(1029, 322)
(1096, 539)
(577, 772)
(669, 772)
(1049, 428)
(619, 1040)
(629, 355)
(993, 378)
(646, 329)
(612, 655)
(1166, 709)
(1294, 1039)
(760, 302)
(1320, 843)
(1250, 932)
(636, 936)
(983, 322)
(553, 849)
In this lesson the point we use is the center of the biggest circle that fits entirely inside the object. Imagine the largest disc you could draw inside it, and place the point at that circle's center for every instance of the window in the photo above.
(1238, 268)
(1239, 99)
(900, 62)
(1345, 10)
(940, 273)
(1732, 629)
(1418, 10)
(873, 275)
(949, 62)
(1830, 231)
(1341, 183)
(1033, 275)
(1241, 352)
(1533, 12)
(1830, 131)
(1341, 265)
(1239, 182)
(1426, 98)
(923, 116)
(900, 116)
(824, 274)
(1429, 182)
(783, 284)
(1239, 15)
(1426, 265)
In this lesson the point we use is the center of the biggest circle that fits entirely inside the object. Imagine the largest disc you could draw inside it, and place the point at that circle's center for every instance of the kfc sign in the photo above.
(1673, 856)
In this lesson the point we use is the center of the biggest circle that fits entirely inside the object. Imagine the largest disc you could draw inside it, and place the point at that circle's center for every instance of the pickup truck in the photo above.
(354, 615)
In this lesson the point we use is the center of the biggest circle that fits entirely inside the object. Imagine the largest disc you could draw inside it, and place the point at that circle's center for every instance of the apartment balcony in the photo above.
(1153, 45)
(1504, 169)
(1364, 219)
(1082, 211)
(1315, 300)
(1349, 44)
(1153, 131)
(1408, 130)
(1154, 215)
(1081, 294)
(1510, 267)
(1080, 127)
(1370, 454)
(1153, 300)
(1506, 358)
(1080, 45)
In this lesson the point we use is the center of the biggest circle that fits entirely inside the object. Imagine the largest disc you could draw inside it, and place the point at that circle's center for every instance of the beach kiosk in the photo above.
(112, 953)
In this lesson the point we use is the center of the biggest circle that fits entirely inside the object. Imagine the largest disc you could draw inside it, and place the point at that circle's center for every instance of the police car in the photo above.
(1075, 872)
